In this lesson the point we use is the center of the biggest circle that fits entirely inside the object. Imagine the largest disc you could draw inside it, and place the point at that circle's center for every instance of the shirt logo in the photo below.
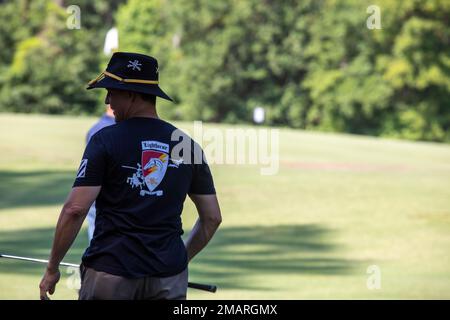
(82, 169)
(134, 64)
(152, 169)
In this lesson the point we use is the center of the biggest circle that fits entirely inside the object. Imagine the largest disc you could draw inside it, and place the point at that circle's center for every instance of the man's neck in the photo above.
(148, 111)
(144, 115)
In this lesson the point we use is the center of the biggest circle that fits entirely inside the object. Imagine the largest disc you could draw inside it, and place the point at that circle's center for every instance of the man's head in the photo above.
(132, 81)
(126, 104)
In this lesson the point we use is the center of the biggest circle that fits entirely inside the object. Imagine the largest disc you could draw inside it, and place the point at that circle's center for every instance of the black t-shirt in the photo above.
(144, 185)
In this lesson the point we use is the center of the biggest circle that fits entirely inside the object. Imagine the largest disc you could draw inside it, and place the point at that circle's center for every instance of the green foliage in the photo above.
(311, 64)
(49, 71)
(46, 66)
(18, 20)
(417, 67)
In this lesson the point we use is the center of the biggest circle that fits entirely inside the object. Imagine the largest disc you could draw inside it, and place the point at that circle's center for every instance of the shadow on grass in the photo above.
(237, 253)
(23, 189)
(34, 243)
(229, 261)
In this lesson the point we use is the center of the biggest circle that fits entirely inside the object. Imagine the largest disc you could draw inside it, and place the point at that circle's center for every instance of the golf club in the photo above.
(199, 286)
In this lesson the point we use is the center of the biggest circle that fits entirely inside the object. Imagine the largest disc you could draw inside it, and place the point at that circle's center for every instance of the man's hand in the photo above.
(48, 283)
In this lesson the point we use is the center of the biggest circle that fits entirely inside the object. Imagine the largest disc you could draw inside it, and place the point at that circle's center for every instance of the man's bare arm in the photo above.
(69, 223)
(209, 220)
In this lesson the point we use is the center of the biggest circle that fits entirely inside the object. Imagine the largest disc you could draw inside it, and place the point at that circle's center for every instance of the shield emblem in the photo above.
(154, 166)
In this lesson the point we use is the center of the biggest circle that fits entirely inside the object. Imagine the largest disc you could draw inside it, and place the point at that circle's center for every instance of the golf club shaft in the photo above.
(65, 264)
(199, 286)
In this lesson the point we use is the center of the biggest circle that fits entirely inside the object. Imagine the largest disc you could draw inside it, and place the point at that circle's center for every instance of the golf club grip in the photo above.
(205, 287)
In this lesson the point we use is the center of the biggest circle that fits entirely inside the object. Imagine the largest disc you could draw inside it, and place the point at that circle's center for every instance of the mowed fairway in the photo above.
(338, 205)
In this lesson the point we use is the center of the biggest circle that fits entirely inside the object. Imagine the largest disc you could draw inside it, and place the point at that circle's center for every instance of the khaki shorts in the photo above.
(97, 285)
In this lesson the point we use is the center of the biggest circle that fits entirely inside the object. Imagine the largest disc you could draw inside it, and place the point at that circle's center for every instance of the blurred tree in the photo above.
(221, 59)
(18, 20)
(346, 92)
(415, 62)
(67, 59)
(393, 81)
(49, 70)
(311, 64)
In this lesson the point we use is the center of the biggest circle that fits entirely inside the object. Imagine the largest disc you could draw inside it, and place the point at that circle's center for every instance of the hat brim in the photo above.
(110, 83)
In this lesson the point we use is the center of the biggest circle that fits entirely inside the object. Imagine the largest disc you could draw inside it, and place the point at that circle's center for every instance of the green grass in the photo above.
(339, 204)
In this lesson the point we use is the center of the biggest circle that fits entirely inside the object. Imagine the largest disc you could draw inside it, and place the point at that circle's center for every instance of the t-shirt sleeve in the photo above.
(93, 164)
(202, 180)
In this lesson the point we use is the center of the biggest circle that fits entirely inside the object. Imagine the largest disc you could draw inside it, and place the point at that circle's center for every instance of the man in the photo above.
(139, 186)
(107, 119)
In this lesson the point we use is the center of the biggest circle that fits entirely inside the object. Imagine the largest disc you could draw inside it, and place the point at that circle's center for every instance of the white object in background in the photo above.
(258, 115)
(111, 41)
